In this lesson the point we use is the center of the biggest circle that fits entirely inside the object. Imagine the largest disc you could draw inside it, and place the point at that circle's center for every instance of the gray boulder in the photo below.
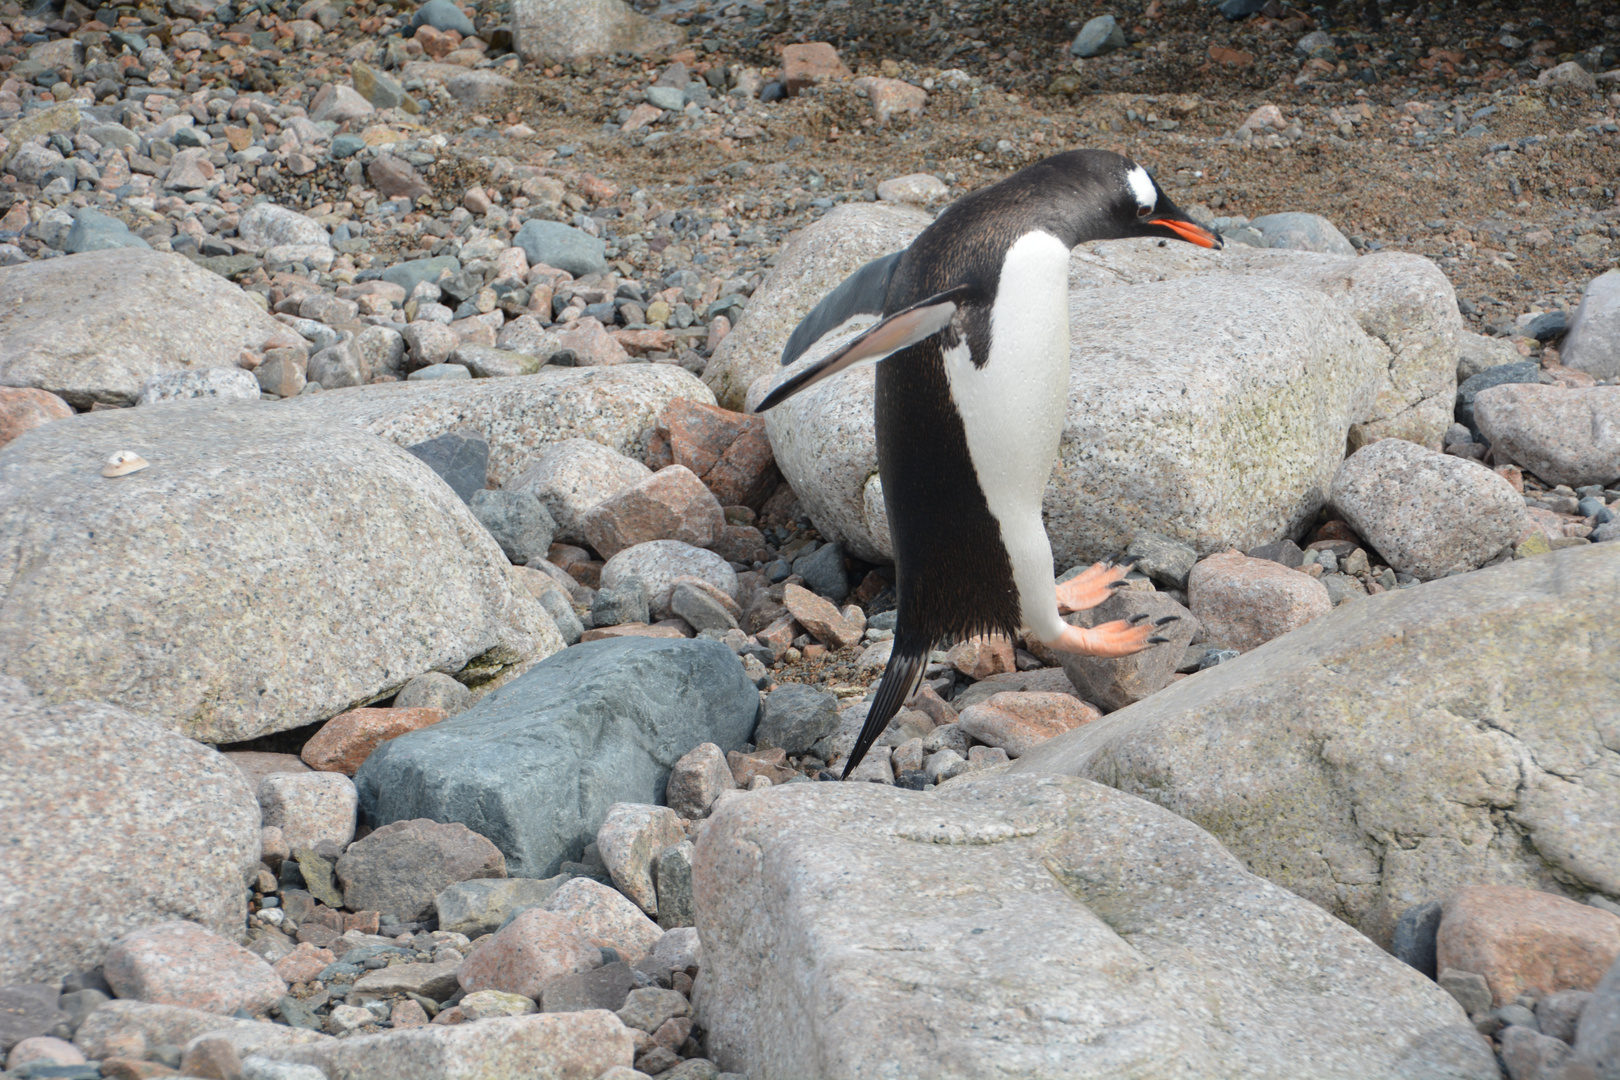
(520, 417)
(1519, 371)
(1303, 232)
(1564, 436)
(174, 833)
(230, 382)
(443, 15)
(562, 246)
(574, 475)
(1054, 928)
(517, 521)
(557, 31)
(483, 905)
(460, 458)
(1100, 35)
(266, 225)
(535, 765)
(1397, 748)
(1115, 682)
(95, 231)
(1592, 344)
(90, 328)
(290, 568)
(795, 716)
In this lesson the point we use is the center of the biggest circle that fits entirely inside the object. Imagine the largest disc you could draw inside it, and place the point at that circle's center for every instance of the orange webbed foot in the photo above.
(1094, 585)
(1122, 637)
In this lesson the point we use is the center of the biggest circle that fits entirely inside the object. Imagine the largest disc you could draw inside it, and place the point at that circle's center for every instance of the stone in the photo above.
(1308, 757)
(23, 409)
(303, 964)
(697, 780)
(918, 188)
(185, 848)
(90, 328)
(660, 563)
(981, 657)
(482, 905)
(624, 602)
(1522, 940)
(729, 451)
(339, 104)
(891, 97)
(394, 178)
(576, 1044)
(181, 963)
(1078, 890)
(561, 246)
(823, 572)
(536, 947)
(1164, 560)
(1559, 1013)
(309, 807)
(1413, 940)
(1529, 1054)
(810, 65)
(402, 865)
(1521, 371)
(460, 458)
(1018, 722)
(1115, 682)
(445, 372)
(1592, 343)
(418, 585)
(606, 917)
(675, 886)
(1568, 74)
(94, 231)
(1244, 603)
(43, 1050)
(560, 31)
(232, 382)
(824, 621)
(573, 476)
(266, 225)
(436, 980)
(137, 1024)
(671, 504)
(381, 89)
(345, 741)
(258, 764)
(1302, 232)
(517, 521)
(630, 839)
(538, 763)
(1564, 436)
(691, 600)
(1597, 1037)
(591, 344)
(605, 987)
(478, 89)
(1472, 992)
(434, 690)
(649, 1008)
(1428, 514)
(488, 1004)
(487, 363)
(1370, 348)
(795, 717)
(521, 418)
(27, 1012)
(1100, 35)
(283, 372)
(429, 344)
(1477, 353)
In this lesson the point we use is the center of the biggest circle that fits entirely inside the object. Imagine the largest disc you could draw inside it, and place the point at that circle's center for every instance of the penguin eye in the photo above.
(1144, 211)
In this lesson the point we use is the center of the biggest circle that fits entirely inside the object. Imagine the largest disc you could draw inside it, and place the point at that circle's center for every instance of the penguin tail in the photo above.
(907, 663)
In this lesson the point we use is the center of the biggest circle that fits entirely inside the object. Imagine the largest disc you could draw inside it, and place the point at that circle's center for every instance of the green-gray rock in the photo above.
(63, 117)
(318, 878)
(481, 906)
(382, 90)
(1459, 732)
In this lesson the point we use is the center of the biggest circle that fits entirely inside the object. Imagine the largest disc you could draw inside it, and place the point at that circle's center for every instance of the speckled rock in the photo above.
(231, 382)
(480, 906)
(1564, 436)
(345, 741)
(671, 504)
(112, 1027)
(1284, 356)
(569, 1046)
(826, 906)
(574, 475)
(1115, 682)
(1344, 763)
(86, 863)
(1592, 344)
(309, 807)
(1244, 603)
(400, 867)
(92, 327)
(1427, 514)
(659, 563)
(181, 963)
(630, 839)
(563, 30)
(606, 917)
(533, 949)
(23, 409)
(521, 416)
(291, 566)
(266, 225)
(1303, 232)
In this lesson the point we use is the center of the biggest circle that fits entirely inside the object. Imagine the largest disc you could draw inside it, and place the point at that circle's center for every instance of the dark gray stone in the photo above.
(1597, 1036)
(700, 609)
(297, 1014)
(674, 882)
(604, 988)
(443, 15)
(795, 716)
(461, 460)
(79, 1004)
(1115, 682)
(31, 1009)
(1240, 9)
(1525, 371)
(623, 603)
(344, 146)
(1414, 940)
(408, 275)
(1547, 326)
(1162, 559)
(1100, 35)
(1302, 232)
(1559, 1013)
(823, 572)
(536, 764)
(435, 690)
(562, 246)
(518, 522)
(95, 231)
(1285, 552)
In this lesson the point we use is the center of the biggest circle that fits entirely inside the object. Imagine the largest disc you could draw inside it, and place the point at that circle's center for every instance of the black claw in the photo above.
(1138, 618)
(1157, 640)
(1166, 620)
(1120, 584)
(1130, 560)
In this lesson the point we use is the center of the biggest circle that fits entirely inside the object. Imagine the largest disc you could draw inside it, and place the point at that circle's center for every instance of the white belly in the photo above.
(1013, 410)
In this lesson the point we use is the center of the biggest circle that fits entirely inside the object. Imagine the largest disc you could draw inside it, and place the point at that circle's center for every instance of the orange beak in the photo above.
(1190, 232)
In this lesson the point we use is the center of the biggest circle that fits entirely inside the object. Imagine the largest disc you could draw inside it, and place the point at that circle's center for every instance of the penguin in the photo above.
(972, 354)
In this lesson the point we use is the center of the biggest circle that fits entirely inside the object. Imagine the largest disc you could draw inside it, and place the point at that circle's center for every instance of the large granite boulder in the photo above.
(267, 570)
(520, 416)
(92, 327)
(535, 765)
(1564, 436)
(557, 31)
(112, 824)
(1457, 733)
(1212, 394)
(1022, 926)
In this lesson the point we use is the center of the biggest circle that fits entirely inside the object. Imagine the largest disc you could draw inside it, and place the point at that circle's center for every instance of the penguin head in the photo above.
(1101, 195)
(1150, 211)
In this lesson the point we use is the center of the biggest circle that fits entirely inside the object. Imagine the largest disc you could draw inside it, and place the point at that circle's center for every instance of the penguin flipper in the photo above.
(907, 662)
(906, 327)
(862, 293)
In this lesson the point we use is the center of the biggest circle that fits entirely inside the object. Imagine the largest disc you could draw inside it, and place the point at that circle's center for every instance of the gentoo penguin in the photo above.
(972, 390)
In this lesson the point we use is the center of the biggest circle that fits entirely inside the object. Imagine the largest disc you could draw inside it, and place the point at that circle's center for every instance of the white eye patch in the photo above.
(1142, 187)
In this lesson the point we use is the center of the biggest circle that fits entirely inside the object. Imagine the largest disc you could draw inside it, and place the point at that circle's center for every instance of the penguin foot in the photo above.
(1093, 585)
(1111, 639)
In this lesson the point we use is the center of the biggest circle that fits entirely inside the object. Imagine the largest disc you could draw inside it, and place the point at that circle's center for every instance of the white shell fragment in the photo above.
(123, 463)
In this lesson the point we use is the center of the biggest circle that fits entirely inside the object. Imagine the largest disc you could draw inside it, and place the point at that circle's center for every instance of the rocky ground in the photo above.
(414, 660)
